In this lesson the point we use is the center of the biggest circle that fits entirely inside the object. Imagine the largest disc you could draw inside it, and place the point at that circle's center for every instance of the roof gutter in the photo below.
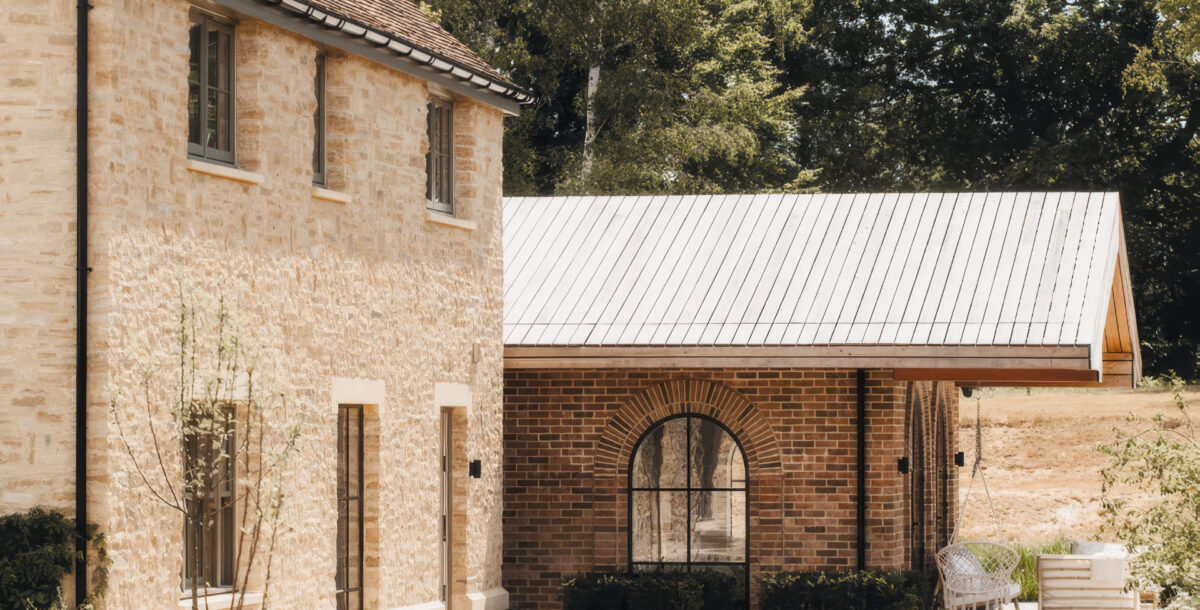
(406, 49)
(81, 298)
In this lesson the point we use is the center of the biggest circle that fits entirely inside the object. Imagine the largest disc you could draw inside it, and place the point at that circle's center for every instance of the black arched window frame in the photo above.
(688, 490)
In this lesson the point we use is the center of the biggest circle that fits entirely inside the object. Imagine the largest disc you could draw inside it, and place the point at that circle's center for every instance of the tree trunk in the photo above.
(589, 133)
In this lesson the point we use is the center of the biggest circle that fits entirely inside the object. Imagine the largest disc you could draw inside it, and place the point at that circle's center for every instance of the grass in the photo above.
(1026, 572)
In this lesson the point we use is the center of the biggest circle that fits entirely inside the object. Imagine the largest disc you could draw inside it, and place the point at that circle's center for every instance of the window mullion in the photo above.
(203, 104)
(688, 479)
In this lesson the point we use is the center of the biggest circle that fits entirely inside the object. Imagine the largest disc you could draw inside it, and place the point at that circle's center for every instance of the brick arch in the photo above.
(615, 446)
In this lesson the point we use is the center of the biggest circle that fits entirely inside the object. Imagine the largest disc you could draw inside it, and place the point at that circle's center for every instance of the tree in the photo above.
(220, 435)
(1161, 464)
(639, 95)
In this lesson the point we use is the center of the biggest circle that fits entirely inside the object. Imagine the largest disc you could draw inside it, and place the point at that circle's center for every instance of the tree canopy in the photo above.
(672, 96)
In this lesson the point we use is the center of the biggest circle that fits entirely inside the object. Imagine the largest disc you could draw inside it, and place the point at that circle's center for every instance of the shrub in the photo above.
(1026, 572)
(36, 550)
(675, 591)
(1159, 469)
(858, 590)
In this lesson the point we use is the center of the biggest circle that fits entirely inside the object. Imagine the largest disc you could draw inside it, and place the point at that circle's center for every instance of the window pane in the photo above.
(224, 126)
(718, 526)
(353, 545)
(659, 526)
(225, 80)
(661, 459)
(342, 544)
(226, 544)
(342, 440)
(716, 460)
(194, 127)
(319, 123)
(352, 453)
(213, 55)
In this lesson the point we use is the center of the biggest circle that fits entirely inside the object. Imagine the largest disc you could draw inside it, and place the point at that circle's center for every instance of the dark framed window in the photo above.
(210, 495)
(210, 88)
(319, 124)
(439, 162)
(349, 574)
(689, 500)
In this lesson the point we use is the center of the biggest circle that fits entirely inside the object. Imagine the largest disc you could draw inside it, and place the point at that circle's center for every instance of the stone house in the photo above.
(334, 171)
(763, 383)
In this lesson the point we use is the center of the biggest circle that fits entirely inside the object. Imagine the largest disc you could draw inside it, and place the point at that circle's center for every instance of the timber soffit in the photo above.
(980, 272)
(403, 29)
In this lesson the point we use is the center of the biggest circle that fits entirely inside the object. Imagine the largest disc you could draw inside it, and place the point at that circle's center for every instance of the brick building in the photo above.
(333, 170)
(761, 383)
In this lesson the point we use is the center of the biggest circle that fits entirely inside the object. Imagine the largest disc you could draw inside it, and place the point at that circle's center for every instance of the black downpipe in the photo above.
(862, 469)
(81, 297)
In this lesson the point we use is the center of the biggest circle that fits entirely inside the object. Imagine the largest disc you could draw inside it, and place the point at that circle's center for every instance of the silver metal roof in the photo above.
(797, 270)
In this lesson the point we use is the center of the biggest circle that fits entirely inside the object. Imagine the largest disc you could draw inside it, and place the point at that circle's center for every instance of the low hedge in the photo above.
(866, 590)
(37, 548)
(665, 590)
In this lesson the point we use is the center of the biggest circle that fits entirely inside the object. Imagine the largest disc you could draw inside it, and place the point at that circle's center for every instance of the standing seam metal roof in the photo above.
(781, 270)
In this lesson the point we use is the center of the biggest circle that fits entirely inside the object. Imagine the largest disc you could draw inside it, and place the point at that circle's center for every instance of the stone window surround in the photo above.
(438, 103)
(225, 597)
(208, 13)
(456, 398)
(320, 123)
(370, 394)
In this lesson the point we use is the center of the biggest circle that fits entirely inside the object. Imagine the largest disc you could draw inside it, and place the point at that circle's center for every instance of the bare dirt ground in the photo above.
(1043, 465)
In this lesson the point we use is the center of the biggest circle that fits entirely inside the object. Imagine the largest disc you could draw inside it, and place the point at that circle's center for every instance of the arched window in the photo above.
(688, 499)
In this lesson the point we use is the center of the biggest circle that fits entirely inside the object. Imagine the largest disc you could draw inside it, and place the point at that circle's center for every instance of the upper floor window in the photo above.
(210, 88)
(439, 163)
(319, 123)
(210, 448)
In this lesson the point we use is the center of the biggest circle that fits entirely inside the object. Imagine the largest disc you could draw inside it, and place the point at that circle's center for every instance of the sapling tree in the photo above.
(1151, 491)
(209, 438)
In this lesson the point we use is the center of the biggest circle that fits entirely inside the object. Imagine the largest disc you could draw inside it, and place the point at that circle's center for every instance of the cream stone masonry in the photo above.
(37, 255)
(362, 289)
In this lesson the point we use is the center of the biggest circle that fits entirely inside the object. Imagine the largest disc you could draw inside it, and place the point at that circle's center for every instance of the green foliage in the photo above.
(873, 590)
(686, 99)
(1026, 571)
(1160, 467)
(702, 590)
(37, 548)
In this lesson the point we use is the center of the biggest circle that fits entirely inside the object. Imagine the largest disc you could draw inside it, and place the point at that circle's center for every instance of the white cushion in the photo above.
(967, 565)
(1105, 549)
(1011, 591)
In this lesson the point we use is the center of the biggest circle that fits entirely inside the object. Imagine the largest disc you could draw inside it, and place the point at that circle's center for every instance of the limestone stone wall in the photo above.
(37, 250)
(368, 290)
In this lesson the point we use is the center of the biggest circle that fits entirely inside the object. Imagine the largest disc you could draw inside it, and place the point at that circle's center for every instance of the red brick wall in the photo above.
(569, 434)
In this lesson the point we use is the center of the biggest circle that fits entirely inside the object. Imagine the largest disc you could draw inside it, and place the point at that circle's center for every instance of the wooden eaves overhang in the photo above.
(368, 29)
(981, 289)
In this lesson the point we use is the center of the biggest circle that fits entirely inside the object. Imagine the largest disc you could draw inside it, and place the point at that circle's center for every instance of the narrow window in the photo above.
(447, 501)
(210, 89)
(319, 123)
(209, 457)
(349, 573)
(439, 164)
